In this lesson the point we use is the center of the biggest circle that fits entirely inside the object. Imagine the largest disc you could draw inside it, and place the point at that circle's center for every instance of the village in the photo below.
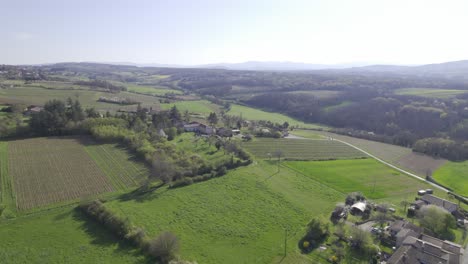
(406, 241)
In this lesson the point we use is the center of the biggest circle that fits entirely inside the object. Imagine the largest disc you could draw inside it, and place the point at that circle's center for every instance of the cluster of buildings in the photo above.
(415, 247)
(203, 129)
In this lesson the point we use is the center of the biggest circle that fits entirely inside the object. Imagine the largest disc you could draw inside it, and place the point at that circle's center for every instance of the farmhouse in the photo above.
(199, 128)
(434, 200)
(400, 230)
(32, 109)
(427, 250)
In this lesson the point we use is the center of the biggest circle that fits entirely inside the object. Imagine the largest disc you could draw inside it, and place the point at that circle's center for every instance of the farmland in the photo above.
(88, 98)
(61, 236)
(199, 106)
(430, 93)
(368, 176)
(53, 170)
(7, 198)
(122, 169)
(453, 175)
(250, 113)
(302, 149)
(240, 217)
(149, 90)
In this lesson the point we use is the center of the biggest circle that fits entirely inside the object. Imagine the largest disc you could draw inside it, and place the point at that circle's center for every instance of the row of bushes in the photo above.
(163, 248)
(221, 171)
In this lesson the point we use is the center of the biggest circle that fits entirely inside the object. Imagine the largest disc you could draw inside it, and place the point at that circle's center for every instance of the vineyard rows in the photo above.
(302, 149)
(51, 170)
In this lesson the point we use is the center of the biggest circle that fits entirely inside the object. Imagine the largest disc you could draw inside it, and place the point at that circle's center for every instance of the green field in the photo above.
(250, 113)
(61, 236)
(200, 106)
(320, 94)
(237, 218)
(155, 91)
(368, 176)
(453, 175)
(430, 93)
(302, 149)
(123, 169)
(87, 98)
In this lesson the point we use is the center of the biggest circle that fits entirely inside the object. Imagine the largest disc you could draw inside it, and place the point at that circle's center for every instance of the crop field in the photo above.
(62, 236)
(52, 170)
(387, 152)
(88, 98)
(399, 156)
(250, 113)
(302, 149)
(430, 93)
(123, 169)
(7, 197)
(200, 106)
(453, 175)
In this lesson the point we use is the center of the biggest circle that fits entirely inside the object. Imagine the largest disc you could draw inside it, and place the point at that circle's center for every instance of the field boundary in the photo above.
(7, 195)
(393, 166)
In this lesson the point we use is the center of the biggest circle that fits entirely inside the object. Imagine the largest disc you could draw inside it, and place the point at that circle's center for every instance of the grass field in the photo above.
(250, 113)
(368, 176)
(399, 156)
(123, 169)
(88, 98)
(302, 149)
(200, 106)
(453, 175)
(320, 94)
(237, 218)
(240, 217)
(155, 91)
(53, 170)
(61, 236)
(430, 93)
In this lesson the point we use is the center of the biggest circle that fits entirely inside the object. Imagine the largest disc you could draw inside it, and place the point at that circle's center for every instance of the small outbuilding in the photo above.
(358, 208)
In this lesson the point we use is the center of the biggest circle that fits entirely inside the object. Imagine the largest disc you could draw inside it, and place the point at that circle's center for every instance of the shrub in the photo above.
(164, 247)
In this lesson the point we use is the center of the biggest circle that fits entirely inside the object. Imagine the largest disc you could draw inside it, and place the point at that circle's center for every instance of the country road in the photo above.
(381, 161)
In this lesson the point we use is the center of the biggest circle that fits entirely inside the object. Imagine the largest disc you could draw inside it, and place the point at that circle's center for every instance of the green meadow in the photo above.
(199, 106)
(453, 175)
(430, 93)
(250, 113)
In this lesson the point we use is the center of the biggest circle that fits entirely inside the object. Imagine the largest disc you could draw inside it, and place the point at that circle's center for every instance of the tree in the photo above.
(171, 133)
(164, 247)
(213, 118)
(318, 229)
(359, 239)
(437, 220)
(175, 115)
(92, 113)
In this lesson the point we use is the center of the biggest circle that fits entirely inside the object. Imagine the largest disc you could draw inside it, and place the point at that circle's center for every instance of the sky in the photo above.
(194, 32)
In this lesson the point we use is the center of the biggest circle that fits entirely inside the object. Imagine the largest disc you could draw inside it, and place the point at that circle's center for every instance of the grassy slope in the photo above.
(7, 196)
(202, 106)
(121, 168)
(256, 114)
(150, 89)
(430, 93)
(238, 218)
(453, 175)
(61, 236)
(88, 98)
(302, 149)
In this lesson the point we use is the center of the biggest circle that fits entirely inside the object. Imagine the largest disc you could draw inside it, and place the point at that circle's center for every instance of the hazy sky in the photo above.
(209, 31)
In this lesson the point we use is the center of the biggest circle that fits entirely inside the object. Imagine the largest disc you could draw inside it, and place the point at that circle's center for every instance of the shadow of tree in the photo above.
(143, 193)
(105, 238)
